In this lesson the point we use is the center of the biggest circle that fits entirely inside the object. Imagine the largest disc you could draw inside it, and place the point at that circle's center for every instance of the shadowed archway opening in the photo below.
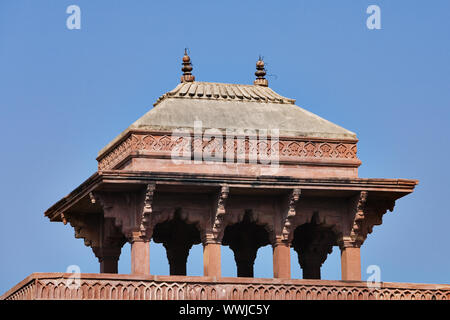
(313, 242)
(177, 236)
(245, 238)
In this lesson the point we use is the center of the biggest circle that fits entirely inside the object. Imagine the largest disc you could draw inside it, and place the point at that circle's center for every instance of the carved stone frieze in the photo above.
(285, 149)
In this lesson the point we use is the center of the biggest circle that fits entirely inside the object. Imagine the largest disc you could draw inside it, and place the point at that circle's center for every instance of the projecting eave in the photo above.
(117, 180)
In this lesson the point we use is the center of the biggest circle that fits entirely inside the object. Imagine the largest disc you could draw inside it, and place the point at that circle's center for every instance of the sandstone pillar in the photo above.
(177, 256)
(140, 257)
(245, 256)
(312, 243)
(108, 258)
(351, 263)
(245, 238)
(211, 260)
(109, 265)
(177, 236)
(282, 261)
(311, 268)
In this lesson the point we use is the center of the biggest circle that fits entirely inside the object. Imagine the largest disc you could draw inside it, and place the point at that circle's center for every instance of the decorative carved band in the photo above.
(126, 289)
(284, 149)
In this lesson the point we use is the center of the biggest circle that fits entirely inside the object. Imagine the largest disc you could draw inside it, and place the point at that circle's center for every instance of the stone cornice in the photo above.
(396, 187)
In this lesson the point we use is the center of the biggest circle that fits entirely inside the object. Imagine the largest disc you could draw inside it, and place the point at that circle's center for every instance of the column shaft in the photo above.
(311, 271)
(108, 258)
(281, 261)
(351, 263)
(244, 268)
(244, 255)
(140, 257)
(109, 265)
(177, 255)
(211, 260)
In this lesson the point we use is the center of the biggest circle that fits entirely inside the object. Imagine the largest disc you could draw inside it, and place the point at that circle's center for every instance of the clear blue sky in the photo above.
(64, 94)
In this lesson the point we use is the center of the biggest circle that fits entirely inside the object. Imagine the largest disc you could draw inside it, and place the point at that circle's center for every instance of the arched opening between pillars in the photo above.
(177, 237)
(245, 238)
(313, 242)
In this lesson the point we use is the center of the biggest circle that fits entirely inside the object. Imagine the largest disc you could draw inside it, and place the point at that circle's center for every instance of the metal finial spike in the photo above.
(260, 73)
(187, 68)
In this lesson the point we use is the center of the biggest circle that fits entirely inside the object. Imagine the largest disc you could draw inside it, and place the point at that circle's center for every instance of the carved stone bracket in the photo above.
(147, 211)
(99, 233)
(218, 225)
(292, 200)
(131, 211)
(86, 227)
(367, 212)
(357, 232)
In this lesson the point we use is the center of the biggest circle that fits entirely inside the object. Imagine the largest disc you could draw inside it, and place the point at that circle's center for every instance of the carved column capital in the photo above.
(209, 238)
(348, 242)
(136, 236)
(103, 253)
(313, 243)
(280, 242)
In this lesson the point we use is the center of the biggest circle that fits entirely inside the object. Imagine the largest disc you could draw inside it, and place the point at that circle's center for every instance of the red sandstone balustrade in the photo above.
(39, 286)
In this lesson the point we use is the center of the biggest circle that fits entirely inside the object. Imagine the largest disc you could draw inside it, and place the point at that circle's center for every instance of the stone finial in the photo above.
(187, 68)
(260, 74)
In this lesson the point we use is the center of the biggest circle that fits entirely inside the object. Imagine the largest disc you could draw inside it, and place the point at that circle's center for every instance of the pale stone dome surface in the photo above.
(233, 106)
